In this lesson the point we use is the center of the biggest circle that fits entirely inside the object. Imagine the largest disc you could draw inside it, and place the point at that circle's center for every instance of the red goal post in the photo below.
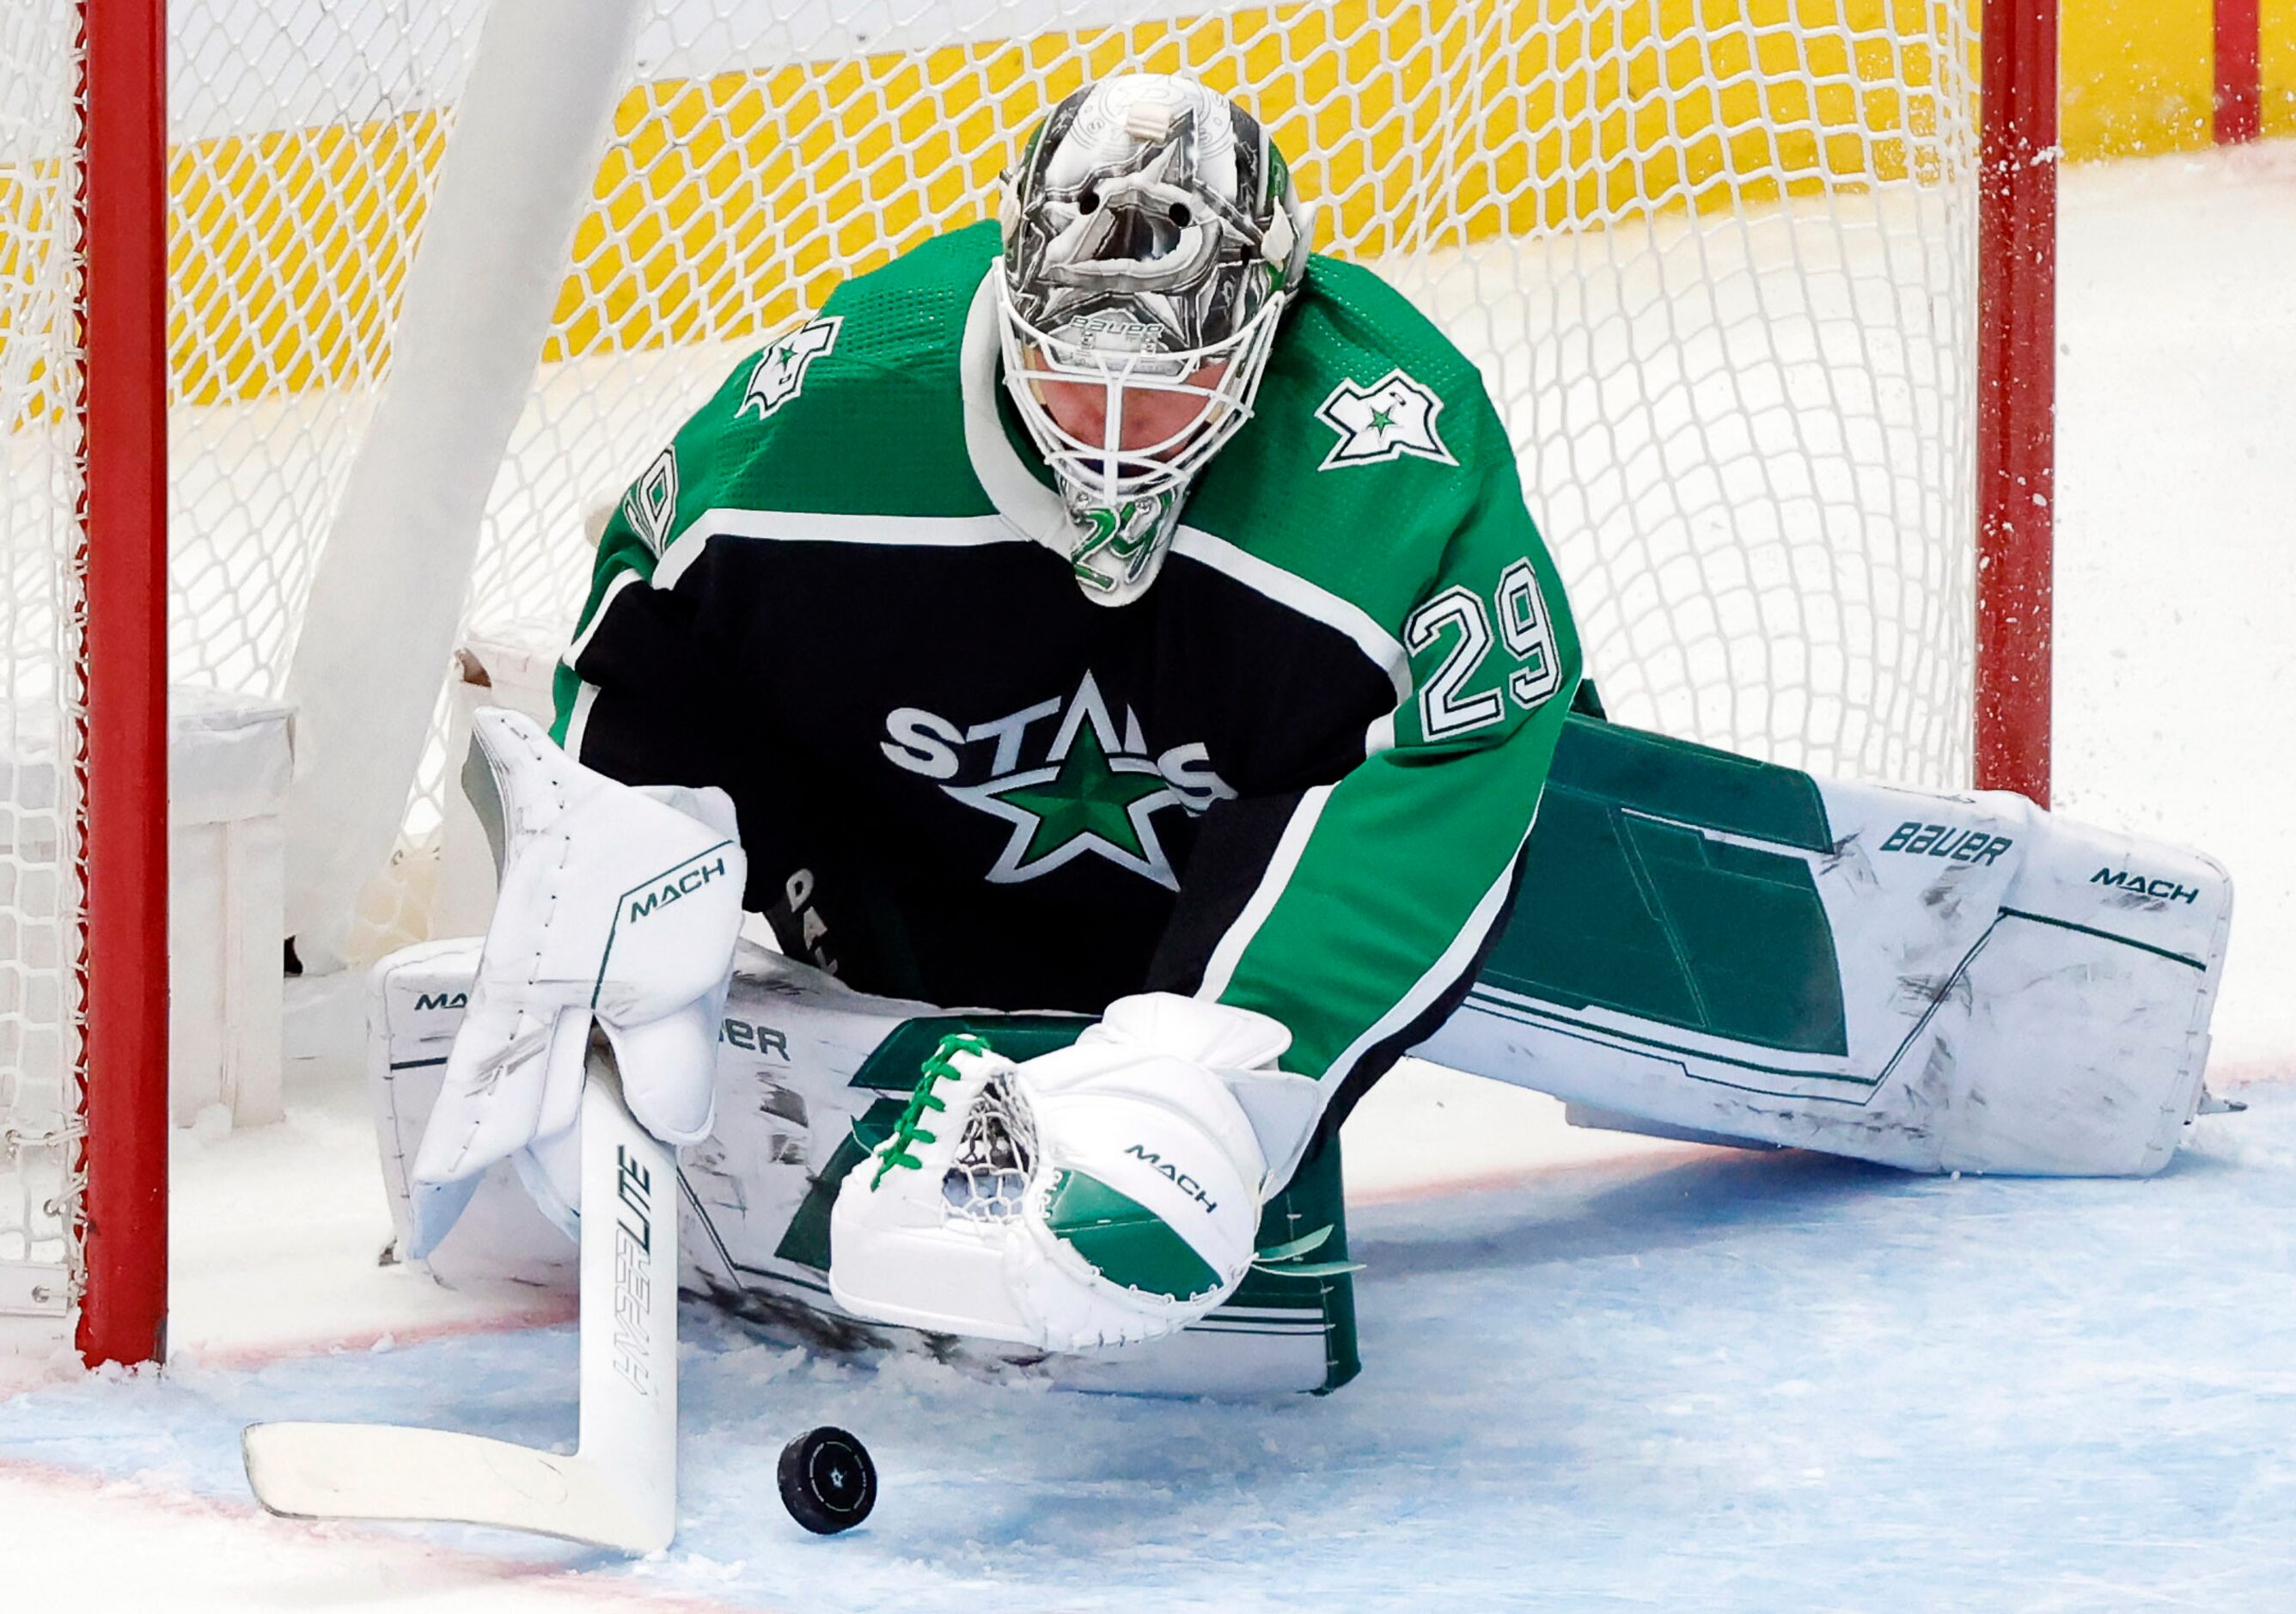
(114, 699)
(121, 846)
(2017, 395)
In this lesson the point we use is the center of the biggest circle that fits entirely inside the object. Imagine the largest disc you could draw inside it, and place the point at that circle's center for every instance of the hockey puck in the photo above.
(828, 1482)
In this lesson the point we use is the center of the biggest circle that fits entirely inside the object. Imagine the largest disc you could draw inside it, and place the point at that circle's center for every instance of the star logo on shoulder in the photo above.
(1392, 417)
(779, 376)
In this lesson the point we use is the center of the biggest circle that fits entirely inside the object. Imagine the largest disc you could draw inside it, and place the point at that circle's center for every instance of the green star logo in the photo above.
(1093, 795)
(1083, 796)
(1392, 419)
(779, 373)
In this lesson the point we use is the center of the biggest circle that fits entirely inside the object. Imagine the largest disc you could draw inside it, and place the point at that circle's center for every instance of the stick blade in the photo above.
(379, 1471)
(620, 1490)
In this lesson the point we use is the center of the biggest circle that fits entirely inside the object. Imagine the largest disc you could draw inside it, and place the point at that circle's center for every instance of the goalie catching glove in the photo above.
(1106, 1193)
(617, 904)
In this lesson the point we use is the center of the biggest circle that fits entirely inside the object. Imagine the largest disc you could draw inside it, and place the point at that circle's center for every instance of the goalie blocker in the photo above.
(1704, 946)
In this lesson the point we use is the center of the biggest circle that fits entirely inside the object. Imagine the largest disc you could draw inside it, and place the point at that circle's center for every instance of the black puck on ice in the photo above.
(828, 1482)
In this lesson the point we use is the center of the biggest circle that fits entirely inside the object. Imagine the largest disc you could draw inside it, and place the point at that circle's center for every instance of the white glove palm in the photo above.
(616, 903)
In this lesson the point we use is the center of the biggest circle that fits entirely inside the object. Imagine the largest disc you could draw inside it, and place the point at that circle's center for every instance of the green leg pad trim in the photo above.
(1313, 1199)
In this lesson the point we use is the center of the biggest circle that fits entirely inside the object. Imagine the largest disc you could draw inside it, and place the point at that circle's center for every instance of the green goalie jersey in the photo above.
(1295, 777)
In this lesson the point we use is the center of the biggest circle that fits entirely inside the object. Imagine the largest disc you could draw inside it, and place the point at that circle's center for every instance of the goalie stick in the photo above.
(619, 1487)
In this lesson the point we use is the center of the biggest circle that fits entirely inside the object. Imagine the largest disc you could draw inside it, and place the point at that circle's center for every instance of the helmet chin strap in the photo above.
(1116, 549)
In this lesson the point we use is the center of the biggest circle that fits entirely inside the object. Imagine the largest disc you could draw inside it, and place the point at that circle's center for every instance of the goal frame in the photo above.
(120, 823)
(120, 843)
(2016, 395)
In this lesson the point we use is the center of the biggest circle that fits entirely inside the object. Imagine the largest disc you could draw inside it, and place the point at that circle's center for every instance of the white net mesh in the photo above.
(40, 487)
(988, 1178)
(303, 142)
(1714, 257)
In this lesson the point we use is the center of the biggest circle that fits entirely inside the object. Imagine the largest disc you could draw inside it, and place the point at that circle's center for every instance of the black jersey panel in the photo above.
(958, 777)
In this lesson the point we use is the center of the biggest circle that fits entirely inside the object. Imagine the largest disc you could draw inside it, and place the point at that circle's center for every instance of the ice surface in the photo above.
(1599, 1373)
(1690, 1378)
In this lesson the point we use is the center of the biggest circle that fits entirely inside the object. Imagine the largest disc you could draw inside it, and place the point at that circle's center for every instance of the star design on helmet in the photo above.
(1090, 797)
(1393, 417)
(779, 375)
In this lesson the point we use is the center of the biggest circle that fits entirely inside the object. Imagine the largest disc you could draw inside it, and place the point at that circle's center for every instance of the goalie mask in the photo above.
(1151, 244)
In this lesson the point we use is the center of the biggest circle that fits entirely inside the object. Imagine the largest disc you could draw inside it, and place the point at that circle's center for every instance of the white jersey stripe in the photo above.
(1220, 968)
(577, 721)
(1288, 588)
(1441, 975)
(573, 655)
(814, 527)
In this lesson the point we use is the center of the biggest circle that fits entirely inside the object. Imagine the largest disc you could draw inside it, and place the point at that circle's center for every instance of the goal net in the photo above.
(1716, 259)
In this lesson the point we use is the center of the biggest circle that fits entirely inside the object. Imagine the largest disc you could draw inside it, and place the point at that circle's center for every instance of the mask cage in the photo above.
(1103, 474)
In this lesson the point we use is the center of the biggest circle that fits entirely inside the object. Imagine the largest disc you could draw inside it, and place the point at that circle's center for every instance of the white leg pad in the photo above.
(2017, 993)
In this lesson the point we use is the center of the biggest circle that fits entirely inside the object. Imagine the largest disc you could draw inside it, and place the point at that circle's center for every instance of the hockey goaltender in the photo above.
(1108, 646)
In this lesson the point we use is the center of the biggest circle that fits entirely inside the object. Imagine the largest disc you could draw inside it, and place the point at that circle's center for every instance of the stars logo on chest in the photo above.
(1083, 802)
(1096, 791)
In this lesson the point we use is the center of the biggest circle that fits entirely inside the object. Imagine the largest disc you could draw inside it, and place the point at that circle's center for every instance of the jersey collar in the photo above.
(1028, 507)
